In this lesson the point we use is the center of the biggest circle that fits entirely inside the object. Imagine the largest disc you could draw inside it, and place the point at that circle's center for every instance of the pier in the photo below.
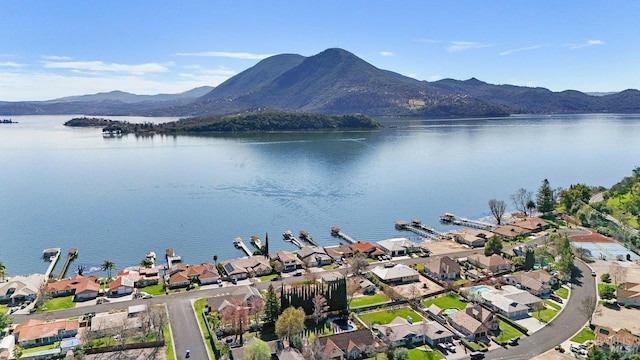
(52, 255)
(335, 231)
(172, 258)
(417, 227)
(255, 240)
(238, 243)
(288, 236)
(72, 254)
(460, 221)
(304, 236)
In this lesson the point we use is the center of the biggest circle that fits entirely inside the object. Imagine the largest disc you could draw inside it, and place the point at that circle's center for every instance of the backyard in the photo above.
(507, 332)
(368, 300)
(584, 335)
(386, 316)
(545, 315)
(450, 301)
(59, 303)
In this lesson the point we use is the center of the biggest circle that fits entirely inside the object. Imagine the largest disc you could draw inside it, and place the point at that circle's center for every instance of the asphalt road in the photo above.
(186, 332)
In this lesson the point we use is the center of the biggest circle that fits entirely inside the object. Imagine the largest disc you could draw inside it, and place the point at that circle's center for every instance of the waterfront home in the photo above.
(366, 248)
(247, 296)
(141, 277)
(286, 260)
(398, 274)
(35, 332)
(183, 275)
(83, 288)
(510, 232)
(471, 237)
(313, 256)
(511, 302)
(345, 345)
(628, 293)
(242, 268)
(494, 263)
(397, 246)
(532, 224)
(339, 252)
(401, 332)
(121, 286)
(474, 322)
(538, 282)
(19, 289)
(442, 268)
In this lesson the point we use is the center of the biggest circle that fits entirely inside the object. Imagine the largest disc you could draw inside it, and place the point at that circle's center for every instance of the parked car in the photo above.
(513, 341)
(443, 347)
(297, 273)
(593, 273)
(451, 347)
(574, 348)
(477, 355)
(389, 265)
(556, 298)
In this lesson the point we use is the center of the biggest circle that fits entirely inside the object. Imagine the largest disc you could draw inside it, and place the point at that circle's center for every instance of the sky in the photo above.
(51, 49)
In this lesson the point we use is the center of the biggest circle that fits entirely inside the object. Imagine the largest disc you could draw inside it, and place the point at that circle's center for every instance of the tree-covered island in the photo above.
(255, 121)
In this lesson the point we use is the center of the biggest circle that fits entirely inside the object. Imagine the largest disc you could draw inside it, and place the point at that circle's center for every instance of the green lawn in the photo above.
(168, 343)
(4, 309)
(329, 266)
(198, 305)
(386, 316)
(153, 289)
(368, 300)
(552, 304)
(420, 353)
(507, 332)
(450, 301)
(584, 335)
(268, 277)
(59, 303)
(545, 315)
(460, 282)
(41, 348)
(563, 292)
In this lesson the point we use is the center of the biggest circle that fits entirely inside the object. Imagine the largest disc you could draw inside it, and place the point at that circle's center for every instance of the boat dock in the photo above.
(172, 258)
(460, 221)
(305, 237)
(335, 231)
(417, 227)
(288, 236)
(255, 240)
(238, 243)
(72, 254)
(52, 255)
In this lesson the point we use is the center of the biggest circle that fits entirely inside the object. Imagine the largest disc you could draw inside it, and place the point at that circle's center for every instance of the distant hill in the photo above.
(336, 81)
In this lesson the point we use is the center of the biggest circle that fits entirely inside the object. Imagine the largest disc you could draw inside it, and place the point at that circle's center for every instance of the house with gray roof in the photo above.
(442, 268)
(245, 267)
(314, 256)
(537, 282)
(345, 345)
(401, 332)
(19, 289)
(474, 322)
(511, 302)
(398, 274)
(397, 246)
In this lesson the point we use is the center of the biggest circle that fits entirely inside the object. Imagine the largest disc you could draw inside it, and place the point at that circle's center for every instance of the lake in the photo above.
(118, 198)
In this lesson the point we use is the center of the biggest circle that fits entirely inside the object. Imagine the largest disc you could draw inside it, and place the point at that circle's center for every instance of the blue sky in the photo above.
(51, 49)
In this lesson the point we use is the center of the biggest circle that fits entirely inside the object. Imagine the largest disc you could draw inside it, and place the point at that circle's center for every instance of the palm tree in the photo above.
(3, 270)
(107, 266)
(80, 269)
(215, 258)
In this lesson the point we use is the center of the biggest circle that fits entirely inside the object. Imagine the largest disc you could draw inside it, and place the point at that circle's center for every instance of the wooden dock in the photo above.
(305, 237)
(52, 255)
(288, 236)
(72, 254)
(238, 243)
(417, 227)
(255, 241)
(460, 221)
(335, 231)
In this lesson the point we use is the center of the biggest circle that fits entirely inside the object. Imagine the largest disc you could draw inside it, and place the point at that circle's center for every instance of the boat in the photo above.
(237, 241)
(255, 240)
(8, 121)
(111, 133)
(288, 235)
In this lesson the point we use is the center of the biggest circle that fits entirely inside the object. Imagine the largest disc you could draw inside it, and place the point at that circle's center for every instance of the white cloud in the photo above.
(11, 64)
(587, 43)
(465, 45)
(509, 52)
(233, 55)
(386, 53)
(139, 69)
(429, 41)
(55, 57)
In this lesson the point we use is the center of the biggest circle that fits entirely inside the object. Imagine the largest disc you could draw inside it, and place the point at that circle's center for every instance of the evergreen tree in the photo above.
(272, 306)
(266, 245)
(493, 246)
(529, 260)
(546, 199)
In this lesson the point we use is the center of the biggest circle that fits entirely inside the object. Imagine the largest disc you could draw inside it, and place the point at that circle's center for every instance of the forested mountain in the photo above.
(336, 81)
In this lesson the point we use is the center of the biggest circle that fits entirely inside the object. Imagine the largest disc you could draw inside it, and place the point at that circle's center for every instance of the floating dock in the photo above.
(172, 258)
(52, 255)
(460, 221)
(288, 236)
(335, 231)
(238, 243)
(304, 236)
(255, 240)
(417, 227)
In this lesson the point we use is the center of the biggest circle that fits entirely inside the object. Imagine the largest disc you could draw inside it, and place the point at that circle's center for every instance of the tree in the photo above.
(518, 262)
(352, 288)
(290, 323)
(531, 205)
(80, 269)
(538, 307)
(605, 278)
(588, 307)
(399, 353)
(17, 352)
(3, 271)
(546, 199)
(529, 259)
(521, 199)
(257, 350)
(572, 197)
(256, 305)
(272, 306)
(619, 273)
(358, 262)
(497, 208)
(5, 321)
(108, 266)
(215, 258)
(319, 308)
(146, 262)
(607, 292)
(266, 245)
(595, 353)
(493, 246)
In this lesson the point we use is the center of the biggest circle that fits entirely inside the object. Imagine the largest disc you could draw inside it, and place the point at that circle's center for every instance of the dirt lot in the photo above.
(554, 355)
(444, 247)
(137, 354)
(407, 289)
(618, 318)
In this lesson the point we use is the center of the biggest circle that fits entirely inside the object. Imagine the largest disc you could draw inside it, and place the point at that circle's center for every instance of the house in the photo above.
(366, 248)
(286, 260)
(346, 345)
(339, 251)
(245, 267)
(401, 332)
(472, 237)
(83, 288)
(245, 294)
(622, 341)
(531, 225)
(397, 246)
(237, 353)
(474, 322)
(511, 302)
(398, 274)
(121, 286)
(141, 277)
(366, 286)
(628, 293)
(510, 232)
(34, 332)
(442, 268)
(494, 263)
(289, 353)
(19, 289)
(538, 282)
(314, 256)
(178, 279)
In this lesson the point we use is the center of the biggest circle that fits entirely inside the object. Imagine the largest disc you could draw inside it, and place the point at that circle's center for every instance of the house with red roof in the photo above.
(83, 288)
(366, 248)
(35, 332)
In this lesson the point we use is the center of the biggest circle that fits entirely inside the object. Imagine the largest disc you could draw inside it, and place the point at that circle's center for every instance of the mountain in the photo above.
(336, 81)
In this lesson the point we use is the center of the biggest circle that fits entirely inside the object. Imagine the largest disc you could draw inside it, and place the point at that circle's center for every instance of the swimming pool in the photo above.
(450, 311)
(479, 288)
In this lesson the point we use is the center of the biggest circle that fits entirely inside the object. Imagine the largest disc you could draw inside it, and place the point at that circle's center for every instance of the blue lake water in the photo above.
(119, 198)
